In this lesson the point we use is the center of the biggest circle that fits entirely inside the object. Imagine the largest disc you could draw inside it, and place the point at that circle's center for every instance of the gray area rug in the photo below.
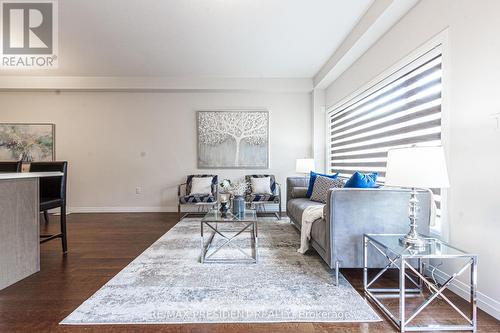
(168, 284)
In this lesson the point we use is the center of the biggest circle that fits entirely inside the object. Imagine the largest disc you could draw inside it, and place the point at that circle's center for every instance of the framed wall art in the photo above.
(237, 139)
(27, 142)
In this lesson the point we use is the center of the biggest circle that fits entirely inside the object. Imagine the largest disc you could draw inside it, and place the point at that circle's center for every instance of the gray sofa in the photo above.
(351, 212)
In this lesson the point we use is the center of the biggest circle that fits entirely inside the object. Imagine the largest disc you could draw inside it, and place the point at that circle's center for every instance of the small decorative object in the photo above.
(224, 204)
(238, 205)
(416, 167)
(238, 191)
(27, 142)
(225, 185)
(224, 207)
(224, 197)
(233, 139)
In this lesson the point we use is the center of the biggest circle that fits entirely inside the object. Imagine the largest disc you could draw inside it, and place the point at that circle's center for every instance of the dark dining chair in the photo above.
(53, 195)
(11, 166)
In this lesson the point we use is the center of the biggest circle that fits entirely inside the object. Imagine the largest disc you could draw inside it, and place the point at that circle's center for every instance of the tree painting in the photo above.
(246, 131)
(26, 142)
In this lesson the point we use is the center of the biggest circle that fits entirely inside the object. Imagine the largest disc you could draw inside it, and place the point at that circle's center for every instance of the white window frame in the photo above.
(438, 44)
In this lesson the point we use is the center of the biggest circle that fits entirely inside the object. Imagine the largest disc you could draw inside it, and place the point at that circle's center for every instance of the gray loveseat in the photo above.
(351, 212)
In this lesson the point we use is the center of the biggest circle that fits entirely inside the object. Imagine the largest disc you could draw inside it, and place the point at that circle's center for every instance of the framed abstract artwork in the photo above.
(237, 139)
(27, 142)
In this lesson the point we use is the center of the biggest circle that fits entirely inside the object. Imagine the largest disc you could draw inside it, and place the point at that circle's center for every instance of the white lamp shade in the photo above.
(419, 167)
(304, 165)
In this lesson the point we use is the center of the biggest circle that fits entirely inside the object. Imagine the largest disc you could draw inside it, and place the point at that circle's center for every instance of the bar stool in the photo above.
(53, 195)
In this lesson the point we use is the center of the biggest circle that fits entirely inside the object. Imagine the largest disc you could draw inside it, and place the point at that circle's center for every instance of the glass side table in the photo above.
(412, 265)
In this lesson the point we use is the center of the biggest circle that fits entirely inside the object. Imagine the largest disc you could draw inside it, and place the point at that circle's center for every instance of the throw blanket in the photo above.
(310, 214)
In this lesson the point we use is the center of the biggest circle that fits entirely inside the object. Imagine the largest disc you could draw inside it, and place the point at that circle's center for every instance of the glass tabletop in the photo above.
(214, 215)
(434, 247)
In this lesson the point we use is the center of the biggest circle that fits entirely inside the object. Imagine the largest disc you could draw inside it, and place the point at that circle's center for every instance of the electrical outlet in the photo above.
(138, 190)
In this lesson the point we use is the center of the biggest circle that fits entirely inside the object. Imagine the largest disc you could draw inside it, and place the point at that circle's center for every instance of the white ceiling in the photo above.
(202, 38)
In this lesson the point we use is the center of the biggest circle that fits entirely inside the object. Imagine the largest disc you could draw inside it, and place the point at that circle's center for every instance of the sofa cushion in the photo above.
(189, 182)
(312, 178)
(262, 197)
(321, 187)
(248, 180)
(261, 185)
(195, 198)
(362, 180)
(299, 192)
(201, 186)
(295, 208)
(318, 232)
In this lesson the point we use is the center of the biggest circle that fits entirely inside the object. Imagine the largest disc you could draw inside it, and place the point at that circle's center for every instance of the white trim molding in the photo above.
(438, 43)
(376, 21)
(484, 302)
(153, 84)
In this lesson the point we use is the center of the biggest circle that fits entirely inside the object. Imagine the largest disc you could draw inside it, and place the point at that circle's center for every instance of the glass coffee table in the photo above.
(227, 229)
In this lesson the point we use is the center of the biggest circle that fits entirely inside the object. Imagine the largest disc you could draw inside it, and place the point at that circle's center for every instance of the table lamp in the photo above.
(416, 168)
(304, 165)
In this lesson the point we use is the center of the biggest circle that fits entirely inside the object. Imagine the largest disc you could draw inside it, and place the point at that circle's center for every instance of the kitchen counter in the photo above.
(19, 175)
(19, 225)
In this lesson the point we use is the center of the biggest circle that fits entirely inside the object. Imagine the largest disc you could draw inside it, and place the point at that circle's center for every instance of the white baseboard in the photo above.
(484, 302)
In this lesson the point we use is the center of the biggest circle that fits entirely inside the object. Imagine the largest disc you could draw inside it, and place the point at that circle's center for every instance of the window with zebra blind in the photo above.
(400, 111)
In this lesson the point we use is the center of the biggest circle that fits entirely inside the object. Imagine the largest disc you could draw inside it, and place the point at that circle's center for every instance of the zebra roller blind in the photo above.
(404, 111)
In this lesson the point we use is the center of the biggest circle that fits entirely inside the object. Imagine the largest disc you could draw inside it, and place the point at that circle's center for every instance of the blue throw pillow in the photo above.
(362, 180)
(312, 179)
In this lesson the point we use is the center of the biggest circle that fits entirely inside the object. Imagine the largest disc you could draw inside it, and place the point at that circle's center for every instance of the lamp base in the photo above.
(412, 241)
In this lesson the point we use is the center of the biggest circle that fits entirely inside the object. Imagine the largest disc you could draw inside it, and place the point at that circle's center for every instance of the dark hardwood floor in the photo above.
(100, 245)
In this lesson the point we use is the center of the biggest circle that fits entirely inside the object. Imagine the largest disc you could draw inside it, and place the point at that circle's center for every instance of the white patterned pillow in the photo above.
(261, 185)
(201, 185)
(321, 187)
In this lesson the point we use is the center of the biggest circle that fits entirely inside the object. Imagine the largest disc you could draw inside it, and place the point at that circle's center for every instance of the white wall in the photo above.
(102, 135)
(473, 88)
(319, 127)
